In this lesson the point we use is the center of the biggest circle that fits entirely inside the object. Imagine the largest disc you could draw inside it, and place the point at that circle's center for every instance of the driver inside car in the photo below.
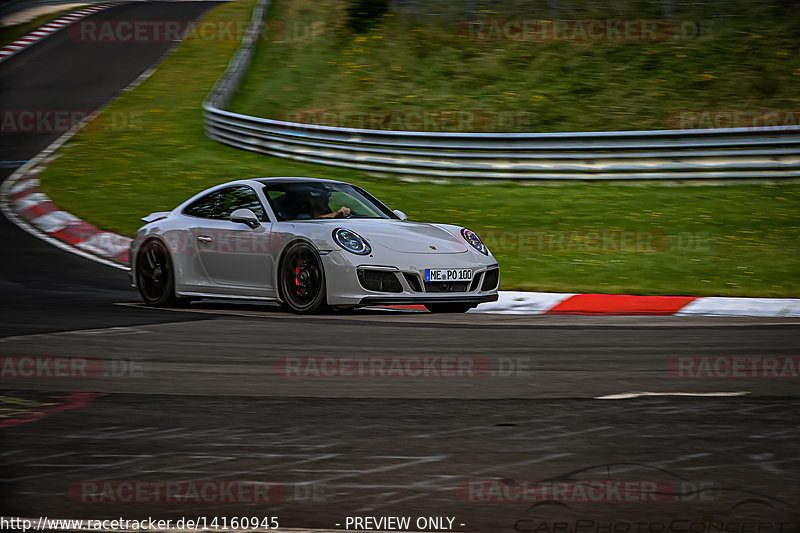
(318, 205)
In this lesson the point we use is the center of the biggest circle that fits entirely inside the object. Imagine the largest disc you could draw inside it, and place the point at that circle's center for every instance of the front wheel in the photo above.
(302, 279)
(449, 308)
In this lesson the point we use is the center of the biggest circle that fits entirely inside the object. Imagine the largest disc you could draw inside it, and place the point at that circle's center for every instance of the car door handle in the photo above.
(204, 238)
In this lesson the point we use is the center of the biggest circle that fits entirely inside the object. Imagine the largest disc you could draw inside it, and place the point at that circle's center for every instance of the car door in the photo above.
(236, 258)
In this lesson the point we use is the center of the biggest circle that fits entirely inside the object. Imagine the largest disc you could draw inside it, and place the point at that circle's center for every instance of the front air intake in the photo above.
(413, 282)
(490, 279)
(379, 280)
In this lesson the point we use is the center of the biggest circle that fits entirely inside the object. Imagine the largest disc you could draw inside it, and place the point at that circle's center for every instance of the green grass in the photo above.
(9, 34)
(748, 61)
(737, 240)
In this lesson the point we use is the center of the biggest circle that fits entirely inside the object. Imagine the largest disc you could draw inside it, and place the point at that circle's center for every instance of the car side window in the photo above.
(242, 197)
(208, 206)
(219, 205)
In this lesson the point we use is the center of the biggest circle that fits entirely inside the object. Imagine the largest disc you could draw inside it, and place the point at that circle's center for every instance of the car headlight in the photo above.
(351, 241)
(472, 238)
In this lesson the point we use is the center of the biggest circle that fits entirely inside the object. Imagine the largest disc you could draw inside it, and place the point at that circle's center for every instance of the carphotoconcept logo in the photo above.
(587, 492)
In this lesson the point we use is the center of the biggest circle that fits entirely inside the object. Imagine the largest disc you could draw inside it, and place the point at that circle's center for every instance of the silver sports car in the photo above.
(307, 244)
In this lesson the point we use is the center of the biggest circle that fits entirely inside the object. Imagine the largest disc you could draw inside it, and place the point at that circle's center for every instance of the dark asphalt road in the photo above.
(44, 288)
(204, 399)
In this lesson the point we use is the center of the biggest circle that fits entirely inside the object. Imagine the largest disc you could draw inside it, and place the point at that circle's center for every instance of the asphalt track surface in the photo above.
(61, 74)
(198, 395)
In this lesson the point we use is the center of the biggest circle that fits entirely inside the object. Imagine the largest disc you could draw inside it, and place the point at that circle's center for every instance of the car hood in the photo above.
(403, 236)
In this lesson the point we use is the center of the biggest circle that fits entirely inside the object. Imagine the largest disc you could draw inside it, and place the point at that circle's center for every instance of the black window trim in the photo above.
(216, 191)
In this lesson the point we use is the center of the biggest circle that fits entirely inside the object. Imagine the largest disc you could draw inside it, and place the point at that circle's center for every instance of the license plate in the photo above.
(448, 274)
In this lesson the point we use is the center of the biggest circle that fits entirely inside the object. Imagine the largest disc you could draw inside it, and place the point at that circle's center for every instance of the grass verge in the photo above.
(310, 66)
(149, 153)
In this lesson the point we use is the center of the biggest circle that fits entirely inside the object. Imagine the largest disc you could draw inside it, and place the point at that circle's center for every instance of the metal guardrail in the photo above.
(767, 152)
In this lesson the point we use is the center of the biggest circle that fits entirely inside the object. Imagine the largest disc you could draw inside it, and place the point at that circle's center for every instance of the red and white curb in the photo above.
(35, 208)
(25, 205)
(49, 28)
(547, 303)
(39, 211)
(31, 210)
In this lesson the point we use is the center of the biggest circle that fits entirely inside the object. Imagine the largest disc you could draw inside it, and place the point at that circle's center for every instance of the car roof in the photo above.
(293, 179)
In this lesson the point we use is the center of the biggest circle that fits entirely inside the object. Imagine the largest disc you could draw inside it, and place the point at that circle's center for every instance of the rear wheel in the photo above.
(449, 308)
(155, 276)
(302, 280)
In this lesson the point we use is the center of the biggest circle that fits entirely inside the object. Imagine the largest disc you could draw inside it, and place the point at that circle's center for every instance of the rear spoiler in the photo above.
(158, 215)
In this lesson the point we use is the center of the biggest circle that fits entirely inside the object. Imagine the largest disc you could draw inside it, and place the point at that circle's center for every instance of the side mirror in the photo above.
(245, 216)
(400, 214)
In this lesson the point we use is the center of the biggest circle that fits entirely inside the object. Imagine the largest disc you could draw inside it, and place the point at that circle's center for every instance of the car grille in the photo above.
(490, 279)
(453, 286)
(379, 281)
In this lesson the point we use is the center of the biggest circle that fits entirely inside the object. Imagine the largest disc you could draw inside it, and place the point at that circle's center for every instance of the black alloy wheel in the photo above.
(154, 274)
(302, 279)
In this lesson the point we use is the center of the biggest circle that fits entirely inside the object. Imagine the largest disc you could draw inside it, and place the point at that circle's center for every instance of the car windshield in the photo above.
(319, 200)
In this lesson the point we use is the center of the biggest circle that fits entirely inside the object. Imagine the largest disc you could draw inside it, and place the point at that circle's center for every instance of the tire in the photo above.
(155, 276)
(449, 308)
(302, 280)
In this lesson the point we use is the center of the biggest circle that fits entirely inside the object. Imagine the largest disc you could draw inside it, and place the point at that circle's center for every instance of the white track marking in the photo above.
(629, 395)
(720, 306)
(524, 303)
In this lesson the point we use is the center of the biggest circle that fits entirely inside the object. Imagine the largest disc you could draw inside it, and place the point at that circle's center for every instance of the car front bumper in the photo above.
(412, 300)
(345, 289)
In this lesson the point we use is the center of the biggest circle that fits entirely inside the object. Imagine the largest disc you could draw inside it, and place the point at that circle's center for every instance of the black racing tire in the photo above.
(155, 275)
(449, 307)
(301, 280)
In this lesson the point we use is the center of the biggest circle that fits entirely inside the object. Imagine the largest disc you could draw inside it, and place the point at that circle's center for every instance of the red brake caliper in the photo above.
(297, 279)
